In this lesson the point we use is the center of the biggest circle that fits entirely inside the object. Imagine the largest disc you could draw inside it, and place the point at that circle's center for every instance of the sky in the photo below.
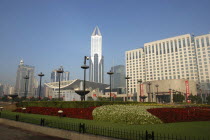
(50, 33)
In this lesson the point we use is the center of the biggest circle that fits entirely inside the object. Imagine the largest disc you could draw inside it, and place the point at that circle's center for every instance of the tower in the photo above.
(22, 71)
(96, 58)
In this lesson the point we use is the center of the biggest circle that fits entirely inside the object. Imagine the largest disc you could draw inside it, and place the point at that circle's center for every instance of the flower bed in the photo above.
(80, 113)
(168, 115)
(129, 114)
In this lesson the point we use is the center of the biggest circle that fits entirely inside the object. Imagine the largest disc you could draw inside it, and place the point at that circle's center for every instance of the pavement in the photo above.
(13, 133)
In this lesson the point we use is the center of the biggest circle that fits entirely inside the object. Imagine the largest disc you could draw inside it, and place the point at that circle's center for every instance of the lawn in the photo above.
(180, 129)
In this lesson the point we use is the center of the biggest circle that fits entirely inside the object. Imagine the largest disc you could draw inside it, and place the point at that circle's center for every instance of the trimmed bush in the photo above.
(72, 104)
(129, 114)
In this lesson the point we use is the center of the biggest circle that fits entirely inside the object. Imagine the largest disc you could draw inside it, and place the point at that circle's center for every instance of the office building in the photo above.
(22, 84)
(181, 57)
(118, 78)
(96, 58)
(63, 77)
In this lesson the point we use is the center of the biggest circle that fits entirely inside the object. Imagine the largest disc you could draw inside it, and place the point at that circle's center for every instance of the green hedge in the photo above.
(72, 104)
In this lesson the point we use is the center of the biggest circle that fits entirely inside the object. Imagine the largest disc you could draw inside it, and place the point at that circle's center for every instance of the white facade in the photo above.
(180, 57)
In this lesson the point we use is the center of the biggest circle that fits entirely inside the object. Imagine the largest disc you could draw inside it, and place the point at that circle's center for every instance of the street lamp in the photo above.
(170, 95)
(127, 85)
(110, 74)
(157, 99)
(139, 81)
(26, 78)
(149, 83)
(83, 92)
(40, 75)
(60, 70)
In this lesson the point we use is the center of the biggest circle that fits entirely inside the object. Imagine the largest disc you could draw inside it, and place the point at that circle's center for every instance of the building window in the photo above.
(152, 48)
(149, 49)
(183, 40)
(172, 50)
(197, 42)
(167, 44)
(202, 42)
(156, 49)
(188, 42)
(160, 48)
(164, 51)
(175, 42)
(180, 43)
(207, 41)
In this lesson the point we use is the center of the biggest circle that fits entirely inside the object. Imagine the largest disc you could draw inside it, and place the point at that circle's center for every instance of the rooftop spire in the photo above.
(96, 31)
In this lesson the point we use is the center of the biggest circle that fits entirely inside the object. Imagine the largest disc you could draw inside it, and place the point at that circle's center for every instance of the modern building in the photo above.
(25, 85)
(118, 78)
(1, 90)
(181, 57)
(68, 88)
(55, 76)
(96, 58)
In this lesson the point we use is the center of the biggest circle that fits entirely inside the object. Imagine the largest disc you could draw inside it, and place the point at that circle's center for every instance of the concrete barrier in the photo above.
(53, 131)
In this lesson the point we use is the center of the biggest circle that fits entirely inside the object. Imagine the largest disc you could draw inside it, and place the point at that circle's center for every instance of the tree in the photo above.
(178, 98)
(195, 99)
(5, 99)
(208, 99)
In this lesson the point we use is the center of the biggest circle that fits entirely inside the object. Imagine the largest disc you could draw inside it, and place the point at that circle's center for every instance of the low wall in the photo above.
(52, 131)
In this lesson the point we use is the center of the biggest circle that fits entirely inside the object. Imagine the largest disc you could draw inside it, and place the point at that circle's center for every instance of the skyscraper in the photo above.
(96, 58)
(55, 75)
(118, 78)
(22, 71)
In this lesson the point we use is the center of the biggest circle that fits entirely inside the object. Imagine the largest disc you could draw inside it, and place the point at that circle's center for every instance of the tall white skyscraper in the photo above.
(96, 58)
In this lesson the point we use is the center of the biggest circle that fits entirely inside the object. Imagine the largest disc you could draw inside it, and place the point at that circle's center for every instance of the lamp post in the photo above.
(139, 81)
(84, 67)
(59, 71)
(127, 85)
(149, 83)
(26, 78)
(40, 85)
(170, 95)
(110, 74)
(157, 99)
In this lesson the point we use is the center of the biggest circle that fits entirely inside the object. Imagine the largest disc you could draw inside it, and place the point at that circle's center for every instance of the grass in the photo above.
(198, 129)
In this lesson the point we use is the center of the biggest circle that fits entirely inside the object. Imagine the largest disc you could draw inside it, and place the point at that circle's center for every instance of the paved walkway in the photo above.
(13, 133)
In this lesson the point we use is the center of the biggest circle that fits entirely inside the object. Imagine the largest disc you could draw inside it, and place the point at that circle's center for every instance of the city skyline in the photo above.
(48, 34)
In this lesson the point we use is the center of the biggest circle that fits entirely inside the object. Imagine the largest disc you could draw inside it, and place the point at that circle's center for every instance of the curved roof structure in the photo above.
(63, 84)
(76, 84)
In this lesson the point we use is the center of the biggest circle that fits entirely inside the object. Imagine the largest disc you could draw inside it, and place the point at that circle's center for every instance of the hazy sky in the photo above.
(51, 33)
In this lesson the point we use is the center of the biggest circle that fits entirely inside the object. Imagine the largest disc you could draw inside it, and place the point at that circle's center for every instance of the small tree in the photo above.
(5, 99)
(208, 99)
(178, 98)
(195, 99)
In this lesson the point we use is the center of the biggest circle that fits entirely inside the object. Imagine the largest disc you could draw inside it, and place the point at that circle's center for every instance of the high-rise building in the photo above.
(118, 78)
(21, 83)
(55, 76)
(181, 57)
(96, 58)
(66, 76)
(1, 90)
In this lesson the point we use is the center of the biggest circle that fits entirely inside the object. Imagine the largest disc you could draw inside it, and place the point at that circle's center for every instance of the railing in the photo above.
(97, 130)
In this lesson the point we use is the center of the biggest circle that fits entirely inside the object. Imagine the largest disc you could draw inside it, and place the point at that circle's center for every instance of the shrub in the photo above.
(72, 104)
(129, 114)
